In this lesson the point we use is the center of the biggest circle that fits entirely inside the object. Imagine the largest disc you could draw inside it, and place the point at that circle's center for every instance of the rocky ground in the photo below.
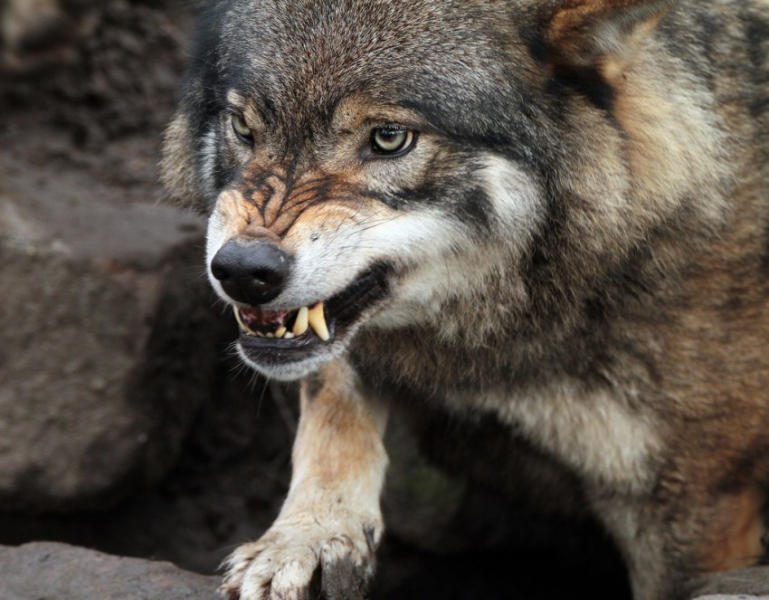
(126, 428)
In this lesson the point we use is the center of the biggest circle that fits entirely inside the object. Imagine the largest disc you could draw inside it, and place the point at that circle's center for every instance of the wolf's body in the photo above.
(574, 237)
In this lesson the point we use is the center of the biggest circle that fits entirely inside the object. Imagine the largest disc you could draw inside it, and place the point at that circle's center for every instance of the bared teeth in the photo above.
(301, 324)
(317, 321)
(305, 318)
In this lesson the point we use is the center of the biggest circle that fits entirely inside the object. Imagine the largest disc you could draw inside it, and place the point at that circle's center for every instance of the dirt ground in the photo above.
(82, 107)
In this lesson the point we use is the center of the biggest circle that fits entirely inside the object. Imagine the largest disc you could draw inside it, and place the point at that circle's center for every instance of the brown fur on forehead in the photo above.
(326, 210)
(359, 109)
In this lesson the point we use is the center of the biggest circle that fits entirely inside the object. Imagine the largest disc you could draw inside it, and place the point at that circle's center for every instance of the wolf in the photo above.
(553, 213)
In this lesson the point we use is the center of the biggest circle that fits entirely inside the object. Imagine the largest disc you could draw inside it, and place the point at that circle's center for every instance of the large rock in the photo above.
(107, 346)
(107, 341)
(46, 571)
(740, 584)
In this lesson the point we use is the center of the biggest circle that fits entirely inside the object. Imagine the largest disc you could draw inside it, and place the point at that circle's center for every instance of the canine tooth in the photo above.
(317, 321)
(301, 324)
(259, 334)
(288, 336)
(281, 332)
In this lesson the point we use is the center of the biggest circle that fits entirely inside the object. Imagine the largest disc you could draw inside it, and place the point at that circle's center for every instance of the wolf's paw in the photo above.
(303, 562)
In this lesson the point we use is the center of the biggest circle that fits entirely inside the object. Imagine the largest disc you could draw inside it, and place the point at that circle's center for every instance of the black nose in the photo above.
(250, 271)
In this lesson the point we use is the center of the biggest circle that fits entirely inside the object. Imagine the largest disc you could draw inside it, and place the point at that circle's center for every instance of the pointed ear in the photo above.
(586, 33)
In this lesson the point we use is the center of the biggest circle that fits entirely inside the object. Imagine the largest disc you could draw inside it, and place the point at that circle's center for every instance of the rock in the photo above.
(731, 597)
(48, 571)
(740, 584)
(27, 25)
(107, 343)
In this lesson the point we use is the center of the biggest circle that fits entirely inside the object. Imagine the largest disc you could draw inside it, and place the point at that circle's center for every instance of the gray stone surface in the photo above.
(734, 585)
(48, 571)
(732, 597)
(104, 324)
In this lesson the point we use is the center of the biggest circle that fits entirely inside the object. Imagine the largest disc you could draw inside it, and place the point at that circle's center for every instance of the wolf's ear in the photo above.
(177, 167)
(587, 33)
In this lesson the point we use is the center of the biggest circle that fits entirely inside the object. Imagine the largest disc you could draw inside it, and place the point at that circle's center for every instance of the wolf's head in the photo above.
(371, 162)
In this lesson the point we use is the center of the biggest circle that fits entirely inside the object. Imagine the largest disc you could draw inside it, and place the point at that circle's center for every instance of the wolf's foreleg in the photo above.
(330, 525)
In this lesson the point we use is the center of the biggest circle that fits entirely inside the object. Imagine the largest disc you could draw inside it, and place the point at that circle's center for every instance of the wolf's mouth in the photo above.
(288, 334)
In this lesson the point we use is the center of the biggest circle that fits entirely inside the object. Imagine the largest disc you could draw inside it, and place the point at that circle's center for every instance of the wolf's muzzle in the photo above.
(251, 271)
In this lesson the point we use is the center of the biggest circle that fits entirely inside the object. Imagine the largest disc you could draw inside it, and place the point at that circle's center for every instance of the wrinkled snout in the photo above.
(251, 271)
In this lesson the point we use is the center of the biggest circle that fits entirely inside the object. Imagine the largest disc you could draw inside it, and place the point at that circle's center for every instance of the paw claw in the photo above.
(369, 532)
(287, 564)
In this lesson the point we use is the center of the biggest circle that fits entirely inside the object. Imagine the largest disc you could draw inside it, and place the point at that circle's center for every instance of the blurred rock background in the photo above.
(126, 427)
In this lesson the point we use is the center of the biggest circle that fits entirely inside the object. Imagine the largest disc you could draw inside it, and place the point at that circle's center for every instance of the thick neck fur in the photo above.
(586, 298)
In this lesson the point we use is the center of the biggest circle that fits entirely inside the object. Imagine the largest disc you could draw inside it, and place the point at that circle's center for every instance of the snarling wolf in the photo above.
(555, 212)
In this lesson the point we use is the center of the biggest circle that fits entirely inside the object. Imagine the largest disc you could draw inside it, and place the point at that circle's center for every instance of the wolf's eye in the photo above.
(392, 140)
(241, 130)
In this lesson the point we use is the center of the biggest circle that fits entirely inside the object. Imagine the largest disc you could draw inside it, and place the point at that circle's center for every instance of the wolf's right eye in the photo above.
(392, 141)
(241, 130)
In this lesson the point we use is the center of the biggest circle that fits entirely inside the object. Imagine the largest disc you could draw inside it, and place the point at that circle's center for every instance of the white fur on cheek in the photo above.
(215, 239)
(461, 264)
(515, 197)
(215, 236)
(328, 265)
